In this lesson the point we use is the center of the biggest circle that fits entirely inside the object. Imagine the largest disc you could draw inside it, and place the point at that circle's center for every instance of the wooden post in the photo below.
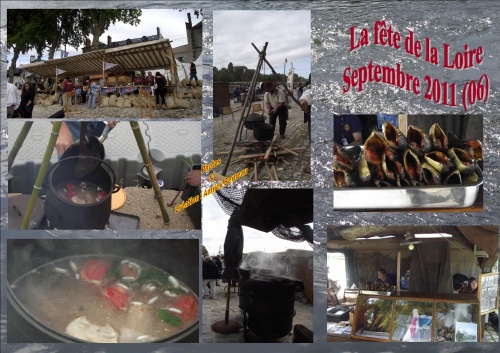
(147, 95)
(398, 272)
(243, 116)
(41, 173)
(18, 143)
(277, 75)
(149, 167)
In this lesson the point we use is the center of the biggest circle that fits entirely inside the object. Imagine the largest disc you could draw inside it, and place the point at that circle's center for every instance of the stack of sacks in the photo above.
(177, 103)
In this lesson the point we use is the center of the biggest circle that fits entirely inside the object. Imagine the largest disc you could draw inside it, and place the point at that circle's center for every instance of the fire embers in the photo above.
(392, 158)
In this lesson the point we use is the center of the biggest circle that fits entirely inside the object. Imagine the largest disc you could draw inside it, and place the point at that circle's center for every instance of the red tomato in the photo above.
(70, 186)
(188, 305)
(94, 270)
(117, 295)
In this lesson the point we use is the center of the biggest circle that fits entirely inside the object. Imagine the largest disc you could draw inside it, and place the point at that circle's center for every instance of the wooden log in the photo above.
(266, 156)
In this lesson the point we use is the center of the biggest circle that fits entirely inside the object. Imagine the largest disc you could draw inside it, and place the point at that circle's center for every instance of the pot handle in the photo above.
(116, 188)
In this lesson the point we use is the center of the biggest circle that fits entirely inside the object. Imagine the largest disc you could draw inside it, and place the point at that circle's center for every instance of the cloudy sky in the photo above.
(215, 227)
(171, 23)
(287, 32)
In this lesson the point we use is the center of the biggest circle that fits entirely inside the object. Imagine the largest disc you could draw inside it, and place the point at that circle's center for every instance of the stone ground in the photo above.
(296, 136)
(215, 309)
(39, 111)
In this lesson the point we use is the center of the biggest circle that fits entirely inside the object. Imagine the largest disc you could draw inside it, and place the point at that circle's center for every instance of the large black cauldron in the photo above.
(67, 215)
(179, 257)
(263, 131)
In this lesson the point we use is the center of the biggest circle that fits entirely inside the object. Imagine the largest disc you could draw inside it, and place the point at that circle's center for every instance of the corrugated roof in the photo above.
(141, 56)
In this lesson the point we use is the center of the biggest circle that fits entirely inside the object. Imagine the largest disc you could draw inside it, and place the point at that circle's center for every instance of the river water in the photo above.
(455, 23)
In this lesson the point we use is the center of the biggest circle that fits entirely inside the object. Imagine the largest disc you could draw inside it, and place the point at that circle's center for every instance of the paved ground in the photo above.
(215, 310)
(224, 130)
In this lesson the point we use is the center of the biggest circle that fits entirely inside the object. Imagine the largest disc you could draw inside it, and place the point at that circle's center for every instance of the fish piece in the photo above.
(471, 179)
(440, 161)
(473, 146)
(394, 137)
(475, 149)
(173, 281)
(375, 146)
(345, 158)
(393, 170)
(81, 328)
(438, 138)
(418, 140)
(152, 300)
(463, 160)
(61, 270)
(342, 179)
(431, 175)
(455, 178)
(383, 184)
(364, 173)
(412, 165)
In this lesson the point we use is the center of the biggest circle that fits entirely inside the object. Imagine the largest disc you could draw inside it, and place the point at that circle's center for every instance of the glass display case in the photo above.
(417, 317)
(488, 292)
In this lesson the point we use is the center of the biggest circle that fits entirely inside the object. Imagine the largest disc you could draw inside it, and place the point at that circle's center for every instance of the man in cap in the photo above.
(275, 105)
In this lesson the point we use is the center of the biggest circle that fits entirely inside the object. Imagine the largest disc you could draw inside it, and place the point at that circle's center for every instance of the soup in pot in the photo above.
(107, 299)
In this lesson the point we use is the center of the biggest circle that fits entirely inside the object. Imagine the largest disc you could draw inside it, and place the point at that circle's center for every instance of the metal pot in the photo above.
(67, 215)
(25, 255)
(263, 131)
(252, 119)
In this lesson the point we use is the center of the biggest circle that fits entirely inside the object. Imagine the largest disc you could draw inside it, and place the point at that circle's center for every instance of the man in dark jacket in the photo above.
(210, 273)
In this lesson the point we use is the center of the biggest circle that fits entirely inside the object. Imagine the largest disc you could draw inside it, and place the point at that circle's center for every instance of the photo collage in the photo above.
(319, 176)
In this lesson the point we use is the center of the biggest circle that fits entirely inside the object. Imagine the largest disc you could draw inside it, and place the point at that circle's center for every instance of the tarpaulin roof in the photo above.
(141, 56)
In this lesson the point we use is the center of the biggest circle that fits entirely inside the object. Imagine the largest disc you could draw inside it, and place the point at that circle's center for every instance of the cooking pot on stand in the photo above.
(263, 131)
(252, 119)
(63, 214)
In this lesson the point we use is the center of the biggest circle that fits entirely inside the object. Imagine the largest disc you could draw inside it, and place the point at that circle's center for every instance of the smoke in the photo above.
(291, 263)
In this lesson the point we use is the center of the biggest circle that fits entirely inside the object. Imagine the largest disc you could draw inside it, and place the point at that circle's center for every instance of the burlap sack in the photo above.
(104, 101)
(193, 83)
(55, 98)
(177, 103)
(197, 92)
(188, 95)
(42, 96)
(47, 103)
(184, 82)
(119, 102)
(127, 103)
(112, 100)
(199, 83)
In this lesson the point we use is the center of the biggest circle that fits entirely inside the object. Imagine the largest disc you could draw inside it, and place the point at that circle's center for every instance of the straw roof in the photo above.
(141, 56)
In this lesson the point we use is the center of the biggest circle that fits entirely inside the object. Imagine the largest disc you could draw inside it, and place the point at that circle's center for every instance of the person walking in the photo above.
(160, 82)
(13, 99)
(192, 71)
(210, 274)
(92, 95)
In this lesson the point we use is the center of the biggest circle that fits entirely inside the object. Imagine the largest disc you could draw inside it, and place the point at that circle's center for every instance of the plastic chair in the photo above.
(227, 111)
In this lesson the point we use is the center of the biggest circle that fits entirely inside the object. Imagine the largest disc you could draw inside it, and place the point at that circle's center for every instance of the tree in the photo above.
(204, 251)
(23, 33)
(99, 20)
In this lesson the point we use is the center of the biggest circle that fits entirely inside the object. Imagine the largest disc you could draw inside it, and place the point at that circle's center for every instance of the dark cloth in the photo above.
(344, 126)
(210, 270)
(282, 115)
(233, 247)
(26, 97)
(390, 281)
(219, 264)
(192, 72)
(161, 82)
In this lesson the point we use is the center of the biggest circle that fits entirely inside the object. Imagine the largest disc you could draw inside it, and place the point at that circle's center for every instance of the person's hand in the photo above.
(112, 123)
(64, 140)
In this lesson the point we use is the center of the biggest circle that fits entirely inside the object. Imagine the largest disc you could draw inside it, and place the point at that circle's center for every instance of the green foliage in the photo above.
(204, 250)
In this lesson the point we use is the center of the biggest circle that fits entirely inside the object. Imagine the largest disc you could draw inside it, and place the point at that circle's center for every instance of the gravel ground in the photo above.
(40, 112)
(296, 134)
(214, 310)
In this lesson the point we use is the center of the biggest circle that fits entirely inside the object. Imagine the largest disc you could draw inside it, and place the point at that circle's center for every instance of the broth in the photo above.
(80, 192)
(107, 299)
